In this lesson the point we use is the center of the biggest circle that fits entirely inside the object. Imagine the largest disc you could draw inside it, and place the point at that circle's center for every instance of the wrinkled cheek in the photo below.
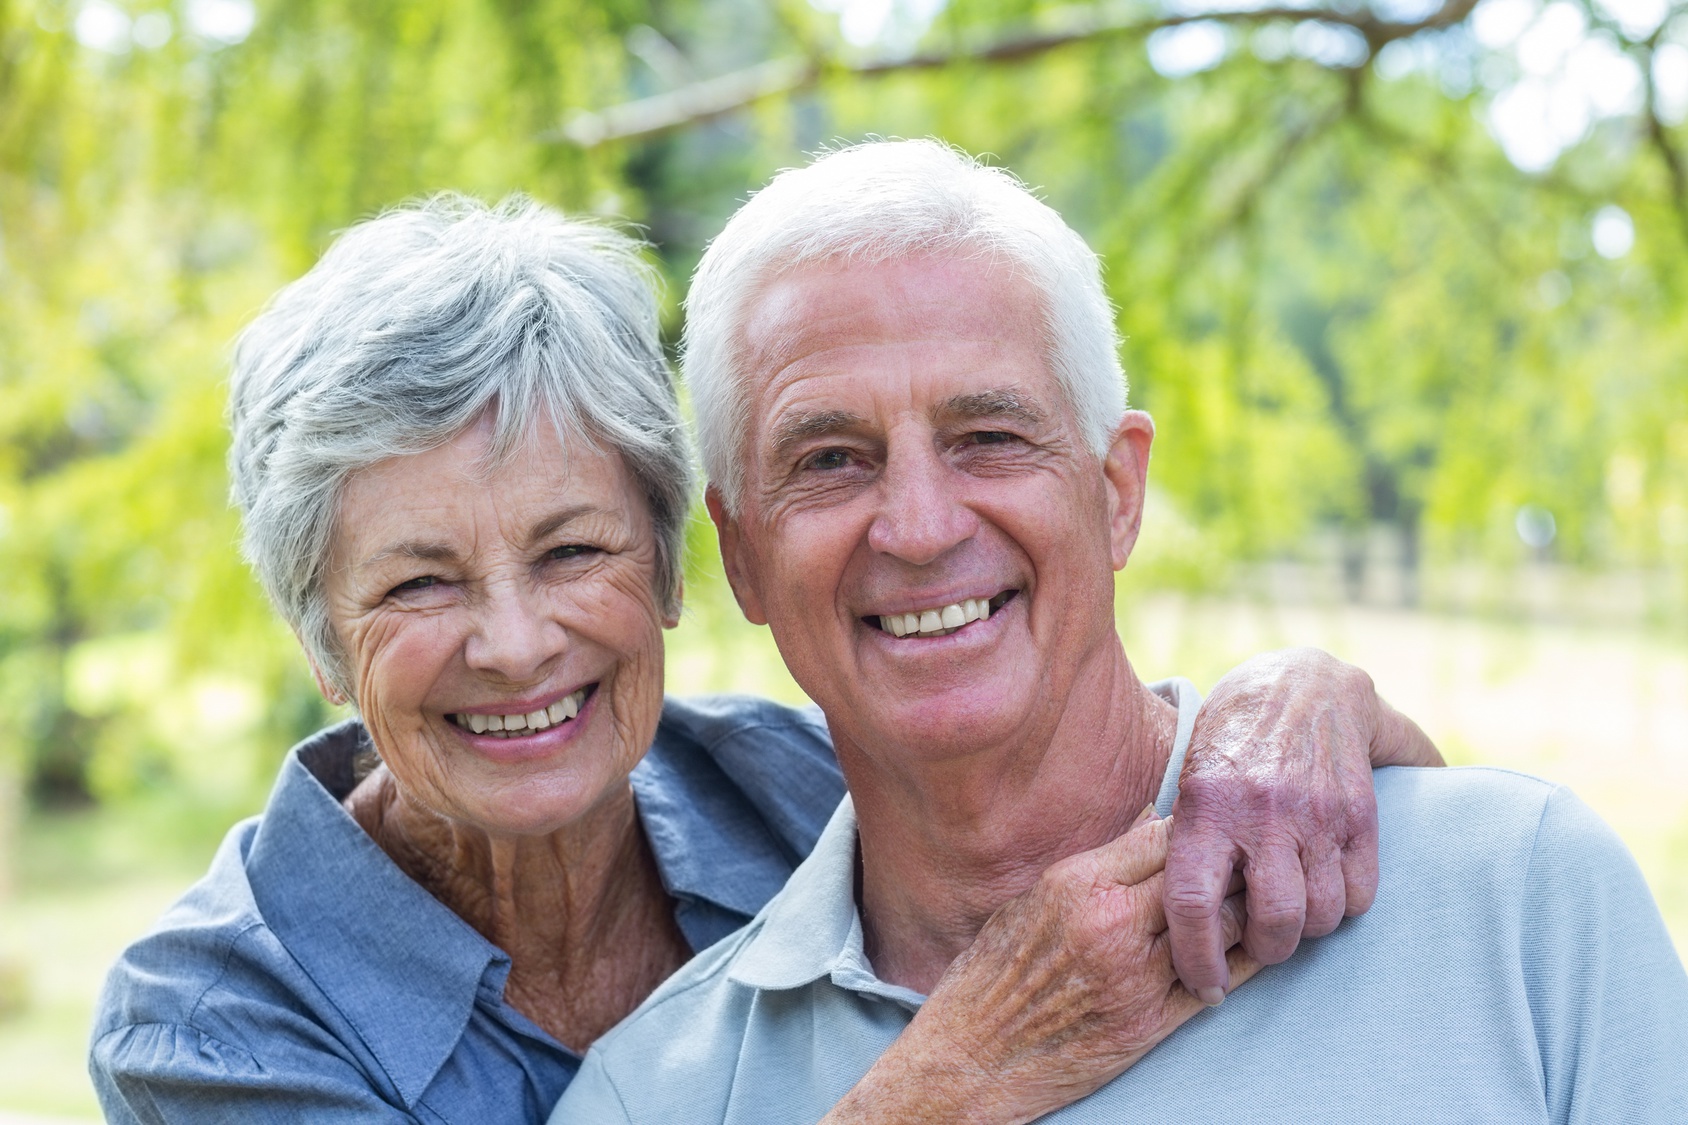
(393, 665)
(625, 619)
(638, 700)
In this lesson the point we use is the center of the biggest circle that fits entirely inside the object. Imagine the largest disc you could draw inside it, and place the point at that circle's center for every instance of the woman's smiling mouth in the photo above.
(940, 621)
(523, 725)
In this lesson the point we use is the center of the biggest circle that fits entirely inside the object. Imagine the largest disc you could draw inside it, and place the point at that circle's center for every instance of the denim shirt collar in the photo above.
(325, 887)
(813, 929)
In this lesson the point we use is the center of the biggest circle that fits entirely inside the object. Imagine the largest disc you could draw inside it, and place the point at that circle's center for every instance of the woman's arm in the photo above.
(1064, 988)
(1074, 981)
(174, 1074)
(1277, 785)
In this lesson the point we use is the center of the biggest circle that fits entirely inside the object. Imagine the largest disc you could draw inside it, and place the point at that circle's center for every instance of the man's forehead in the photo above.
(839, 302)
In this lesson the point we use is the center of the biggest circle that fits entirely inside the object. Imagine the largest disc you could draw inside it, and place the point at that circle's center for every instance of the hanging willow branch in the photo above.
(714, 97)
(1659, 135)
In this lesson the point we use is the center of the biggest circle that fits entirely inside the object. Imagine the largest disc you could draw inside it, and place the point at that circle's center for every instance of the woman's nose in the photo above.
(922, 511)
(515, 635)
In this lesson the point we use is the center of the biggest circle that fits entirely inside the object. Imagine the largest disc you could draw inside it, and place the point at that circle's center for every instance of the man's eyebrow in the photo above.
(802, 426)
(1002, 402)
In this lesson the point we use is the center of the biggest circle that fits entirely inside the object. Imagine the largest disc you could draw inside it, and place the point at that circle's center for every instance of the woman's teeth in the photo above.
(936, 622)
(507, 726)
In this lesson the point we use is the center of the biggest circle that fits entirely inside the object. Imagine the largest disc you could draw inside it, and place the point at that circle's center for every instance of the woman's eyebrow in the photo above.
(545, 525)
(422, 549)
(433, 550)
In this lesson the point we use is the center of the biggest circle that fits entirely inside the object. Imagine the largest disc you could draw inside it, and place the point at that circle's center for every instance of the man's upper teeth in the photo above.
(565, 708)
(935, 622)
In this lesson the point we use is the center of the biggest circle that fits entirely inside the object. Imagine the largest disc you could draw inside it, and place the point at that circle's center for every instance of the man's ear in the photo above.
(734, 557)
(1127, 471)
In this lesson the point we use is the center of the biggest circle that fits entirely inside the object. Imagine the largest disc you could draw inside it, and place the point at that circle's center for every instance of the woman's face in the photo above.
(502, 630)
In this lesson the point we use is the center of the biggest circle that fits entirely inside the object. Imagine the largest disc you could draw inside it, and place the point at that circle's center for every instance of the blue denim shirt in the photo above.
(306, 977)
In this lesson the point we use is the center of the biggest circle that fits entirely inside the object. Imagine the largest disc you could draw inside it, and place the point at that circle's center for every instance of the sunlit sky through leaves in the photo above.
(1546, 76)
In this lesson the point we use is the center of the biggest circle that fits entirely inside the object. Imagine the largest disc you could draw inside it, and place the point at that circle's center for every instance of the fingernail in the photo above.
(1212, 997)
(1146, 815)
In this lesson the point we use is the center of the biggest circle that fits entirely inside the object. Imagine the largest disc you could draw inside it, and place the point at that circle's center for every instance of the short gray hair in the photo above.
(884, 201)
(414, 325)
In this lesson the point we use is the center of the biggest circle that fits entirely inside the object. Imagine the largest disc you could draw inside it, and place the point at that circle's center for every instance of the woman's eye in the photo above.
(828, 459)
(572, 551)
(421, 583)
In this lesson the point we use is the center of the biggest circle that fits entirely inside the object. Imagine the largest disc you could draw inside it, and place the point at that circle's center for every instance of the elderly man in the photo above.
(924, 478)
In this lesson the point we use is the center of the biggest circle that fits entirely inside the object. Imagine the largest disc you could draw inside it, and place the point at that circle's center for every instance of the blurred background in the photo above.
(1403, 285)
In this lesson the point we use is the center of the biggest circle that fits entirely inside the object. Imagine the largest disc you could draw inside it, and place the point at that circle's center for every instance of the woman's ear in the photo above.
(329, 692)
(670, 620)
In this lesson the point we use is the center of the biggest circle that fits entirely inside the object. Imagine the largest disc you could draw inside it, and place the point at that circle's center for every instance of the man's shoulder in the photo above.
(690, 1027)
(702, 994)
(1482, 832)
(1479, 784)
(1483, 813)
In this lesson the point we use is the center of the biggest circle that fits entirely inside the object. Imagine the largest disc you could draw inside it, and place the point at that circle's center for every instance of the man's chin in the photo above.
(939, 726)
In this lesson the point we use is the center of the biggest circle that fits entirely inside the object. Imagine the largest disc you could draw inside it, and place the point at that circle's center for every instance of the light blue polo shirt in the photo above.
(1513, 969)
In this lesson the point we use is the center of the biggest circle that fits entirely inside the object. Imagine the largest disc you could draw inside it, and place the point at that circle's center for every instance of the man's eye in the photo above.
(990, 437)
(421, 583)
(828, 459)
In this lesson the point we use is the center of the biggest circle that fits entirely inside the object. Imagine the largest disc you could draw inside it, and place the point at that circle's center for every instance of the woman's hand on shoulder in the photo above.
(1277, 785)
(1065, 987)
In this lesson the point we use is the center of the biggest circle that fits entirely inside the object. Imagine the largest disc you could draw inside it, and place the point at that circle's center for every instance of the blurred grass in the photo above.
(1605, 711)
(87, 884)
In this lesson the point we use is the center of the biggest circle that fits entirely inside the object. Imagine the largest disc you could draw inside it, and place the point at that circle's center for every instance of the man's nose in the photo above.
(922, 512)
(515, 635)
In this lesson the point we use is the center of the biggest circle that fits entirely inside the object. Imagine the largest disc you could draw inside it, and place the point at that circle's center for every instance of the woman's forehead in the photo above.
(459, 490)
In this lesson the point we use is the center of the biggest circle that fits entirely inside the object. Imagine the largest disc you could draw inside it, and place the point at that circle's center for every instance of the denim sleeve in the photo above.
(779, 757)
(171, 1073)
(1607, 992)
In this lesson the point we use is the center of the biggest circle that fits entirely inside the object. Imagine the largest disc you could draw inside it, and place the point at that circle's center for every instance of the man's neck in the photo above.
(944, 846)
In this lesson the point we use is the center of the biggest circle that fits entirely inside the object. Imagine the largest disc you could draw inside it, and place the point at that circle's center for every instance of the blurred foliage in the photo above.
(1343, 302)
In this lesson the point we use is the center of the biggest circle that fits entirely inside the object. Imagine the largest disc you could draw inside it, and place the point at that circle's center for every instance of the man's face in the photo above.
(912, 460)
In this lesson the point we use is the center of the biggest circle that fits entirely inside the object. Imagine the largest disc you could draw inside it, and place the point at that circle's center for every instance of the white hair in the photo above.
(412, 327)
(884, 201)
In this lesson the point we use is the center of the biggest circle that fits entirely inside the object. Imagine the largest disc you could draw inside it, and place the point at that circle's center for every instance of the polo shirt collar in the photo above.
(325, 887)
(812, 928)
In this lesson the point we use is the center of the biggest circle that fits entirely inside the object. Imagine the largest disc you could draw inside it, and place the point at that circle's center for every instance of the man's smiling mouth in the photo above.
(517, 726)
(942, 620)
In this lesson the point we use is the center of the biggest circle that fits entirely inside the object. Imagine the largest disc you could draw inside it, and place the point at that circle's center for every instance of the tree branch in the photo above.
(703, 101)
(1661, 141)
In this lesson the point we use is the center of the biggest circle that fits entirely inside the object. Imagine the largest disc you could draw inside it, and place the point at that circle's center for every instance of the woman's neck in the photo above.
(581, 912)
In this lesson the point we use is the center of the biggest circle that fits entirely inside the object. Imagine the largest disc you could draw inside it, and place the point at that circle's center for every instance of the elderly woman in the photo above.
(464, 480)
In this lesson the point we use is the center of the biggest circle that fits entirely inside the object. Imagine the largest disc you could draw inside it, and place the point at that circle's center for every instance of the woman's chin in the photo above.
(544, 804)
